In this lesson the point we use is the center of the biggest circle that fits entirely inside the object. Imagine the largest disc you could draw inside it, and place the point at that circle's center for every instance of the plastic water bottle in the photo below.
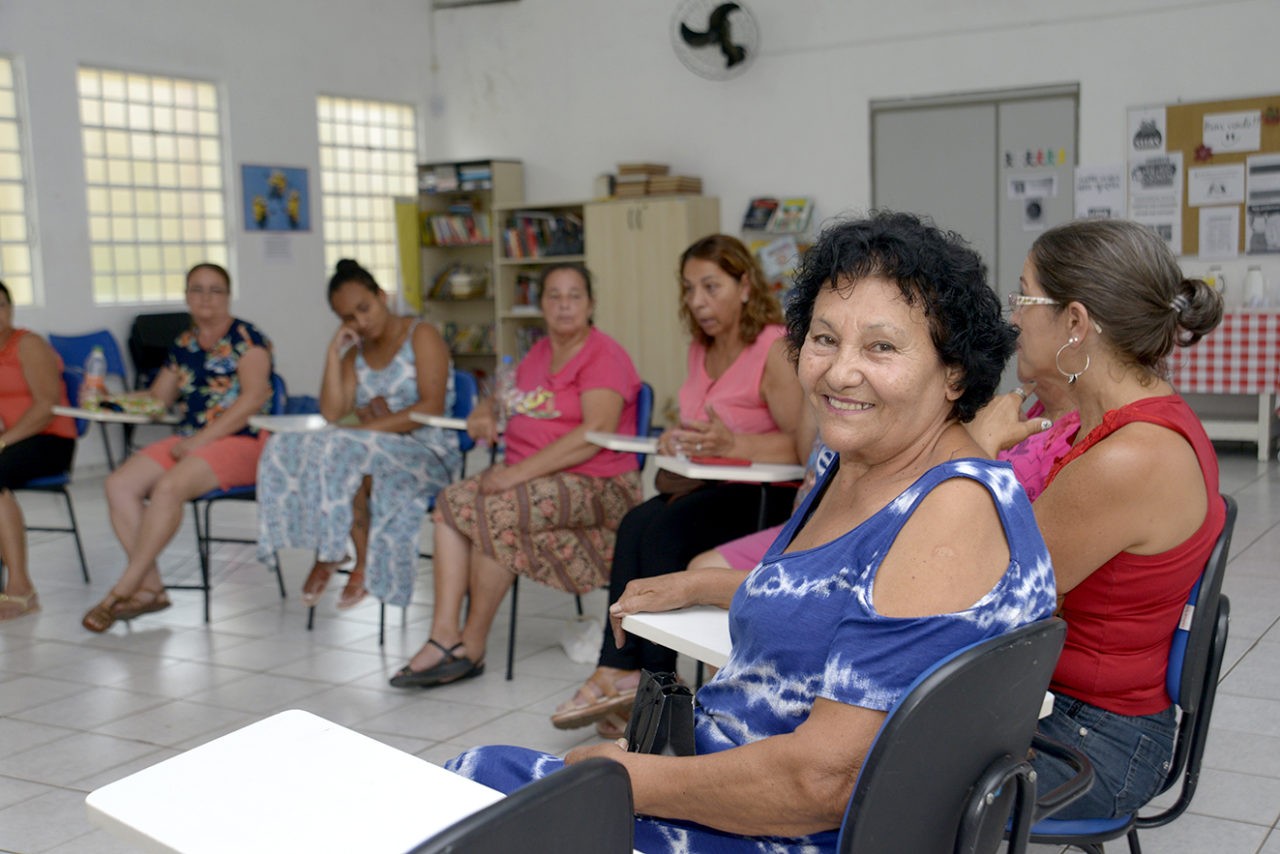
(93, 388)
(505, 391)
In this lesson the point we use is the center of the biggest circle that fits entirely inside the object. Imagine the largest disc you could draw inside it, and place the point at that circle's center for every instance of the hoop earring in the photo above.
(1071, 377)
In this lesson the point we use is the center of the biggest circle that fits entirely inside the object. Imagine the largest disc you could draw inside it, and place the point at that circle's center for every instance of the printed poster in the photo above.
(1226, 133)
(1215, 185)
(1100, 192)
(1148, 130)
(1220, 232)
(1155, 196)
(1262, 204)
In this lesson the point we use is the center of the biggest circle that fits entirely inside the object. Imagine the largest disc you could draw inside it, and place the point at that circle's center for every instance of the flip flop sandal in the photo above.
(353, 594)
(28, 604)
(132, 607)
(603, 698)
(451, 668)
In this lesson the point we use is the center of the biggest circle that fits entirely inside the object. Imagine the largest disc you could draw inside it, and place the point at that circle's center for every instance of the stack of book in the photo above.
(538, 234)
(438, 178)
(633, 178)
(675, 185)
(475, 176)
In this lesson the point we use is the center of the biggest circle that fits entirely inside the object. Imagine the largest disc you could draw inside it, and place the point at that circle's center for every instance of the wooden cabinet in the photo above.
(633, 249)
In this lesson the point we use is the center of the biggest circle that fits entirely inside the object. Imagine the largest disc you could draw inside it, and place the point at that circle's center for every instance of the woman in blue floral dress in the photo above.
(218, 374)
(379, 367)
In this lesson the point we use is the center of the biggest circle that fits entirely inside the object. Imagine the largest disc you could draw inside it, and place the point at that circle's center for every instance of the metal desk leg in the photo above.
(1266, 410)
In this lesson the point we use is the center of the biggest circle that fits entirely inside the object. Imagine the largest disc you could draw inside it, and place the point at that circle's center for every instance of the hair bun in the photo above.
(347, 266)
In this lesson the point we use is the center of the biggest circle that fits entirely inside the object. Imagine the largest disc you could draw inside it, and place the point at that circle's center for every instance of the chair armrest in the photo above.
(1070, 791)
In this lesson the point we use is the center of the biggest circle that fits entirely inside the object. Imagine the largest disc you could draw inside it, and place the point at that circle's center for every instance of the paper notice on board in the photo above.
(1155, 196)
(1232, 132)
(1032, 185)
(1100, 192)
(1262, 204)
(1215, 185)
(1220, 232)
(1147, 131)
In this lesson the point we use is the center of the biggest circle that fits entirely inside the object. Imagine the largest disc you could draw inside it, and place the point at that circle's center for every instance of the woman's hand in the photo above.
(1000, 424)
(648, 596)
(710, 438)
(498, 478)
(181, 449)
(482, 423)
(614, 750)
(344, 339)
(377, 408)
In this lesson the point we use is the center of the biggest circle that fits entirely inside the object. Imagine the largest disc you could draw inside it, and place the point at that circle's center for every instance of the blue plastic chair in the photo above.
(204, 535)
(1195, 662)
(74, 350)
(59, 484)
(644, 416)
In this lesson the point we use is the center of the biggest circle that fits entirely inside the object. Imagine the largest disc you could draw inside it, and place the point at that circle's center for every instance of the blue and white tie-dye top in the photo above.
(804, 624)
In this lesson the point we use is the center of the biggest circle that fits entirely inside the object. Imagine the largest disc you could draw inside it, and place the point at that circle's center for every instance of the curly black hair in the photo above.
(933, 268)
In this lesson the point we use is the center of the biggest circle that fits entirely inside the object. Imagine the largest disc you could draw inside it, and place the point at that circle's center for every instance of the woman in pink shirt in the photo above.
(551, 511)
(741, 399)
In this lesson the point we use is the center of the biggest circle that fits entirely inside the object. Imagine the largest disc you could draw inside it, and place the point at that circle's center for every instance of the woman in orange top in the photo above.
(33, 443)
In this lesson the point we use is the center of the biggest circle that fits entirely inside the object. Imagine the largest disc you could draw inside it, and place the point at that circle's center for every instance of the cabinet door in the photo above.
(613, 250)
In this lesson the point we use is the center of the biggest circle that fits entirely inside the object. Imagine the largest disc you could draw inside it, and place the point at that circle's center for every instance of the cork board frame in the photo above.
(1184, 128)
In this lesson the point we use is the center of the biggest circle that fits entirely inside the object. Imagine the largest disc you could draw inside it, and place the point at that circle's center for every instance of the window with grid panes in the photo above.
(16, 267)
(368, 155)
(154, 181)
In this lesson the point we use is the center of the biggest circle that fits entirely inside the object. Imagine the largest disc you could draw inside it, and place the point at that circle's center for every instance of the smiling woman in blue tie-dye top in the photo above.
(910, 547)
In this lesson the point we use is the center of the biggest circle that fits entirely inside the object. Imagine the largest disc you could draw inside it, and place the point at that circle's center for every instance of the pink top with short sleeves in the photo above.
(735, 396)
(550, 405)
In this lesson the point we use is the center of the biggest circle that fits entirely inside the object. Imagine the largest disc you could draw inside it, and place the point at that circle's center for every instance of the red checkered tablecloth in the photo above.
(1242, 356)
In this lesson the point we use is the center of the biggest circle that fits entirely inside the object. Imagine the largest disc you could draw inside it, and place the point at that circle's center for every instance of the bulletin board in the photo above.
(1185, 133)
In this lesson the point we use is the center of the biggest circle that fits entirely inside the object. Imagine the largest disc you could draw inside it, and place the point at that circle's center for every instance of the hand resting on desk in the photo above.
(710, 586)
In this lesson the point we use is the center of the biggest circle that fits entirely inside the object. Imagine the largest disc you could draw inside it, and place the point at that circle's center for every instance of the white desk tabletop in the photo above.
(291, 782)
(624, 442)
(754, 473)
(109, 416)
(289, 423)
(701, 631)
(443, 421)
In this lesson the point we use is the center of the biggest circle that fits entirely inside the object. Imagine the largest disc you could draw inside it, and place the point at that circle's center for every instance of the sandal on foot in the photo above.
(102, 616)
(613, 726)
(451, 668)
(313, 588)
(353, 594)
(13, 606)
(598, 696)
(141, 602)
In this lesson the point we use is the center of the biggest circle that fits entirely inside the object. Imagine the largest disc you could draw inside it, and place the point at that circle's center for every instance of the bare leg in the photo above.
(354, 591)
(127, 489)
(451, 574)
(13, 546)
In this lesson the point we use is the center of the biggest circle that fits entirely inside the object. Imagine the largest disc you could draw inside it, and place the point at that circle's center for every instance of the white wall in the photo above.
(574, 86)
(571, 87)
(270, 58)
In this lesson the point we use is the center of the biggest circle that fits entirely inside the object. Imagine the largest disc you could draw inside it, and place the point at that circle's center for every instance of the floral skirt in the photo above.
(557, 529)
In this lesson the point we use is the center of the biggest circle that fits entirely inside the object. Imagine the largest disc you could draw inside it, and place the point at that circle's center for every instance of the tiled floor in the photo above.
(79, 710)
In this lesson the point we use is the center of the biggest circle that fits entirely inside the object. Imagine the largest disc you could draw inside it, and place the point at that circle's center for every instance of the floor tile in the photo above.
(62, 762)
(43, 822)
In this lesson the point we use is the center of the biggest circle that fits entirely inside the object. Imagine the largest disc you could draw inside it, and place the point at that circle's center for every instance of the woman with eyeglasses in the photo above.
(219, 374)
(1130, 510)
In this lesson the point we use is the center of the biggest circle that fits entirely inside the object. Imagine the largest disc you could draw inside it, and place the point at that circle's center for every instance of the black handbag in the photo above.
(662, 717)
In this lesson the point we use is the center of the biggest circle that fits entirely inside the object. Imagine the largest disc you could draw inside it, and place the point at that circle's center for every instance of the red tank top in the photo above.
(1120, 620)
(15, 394)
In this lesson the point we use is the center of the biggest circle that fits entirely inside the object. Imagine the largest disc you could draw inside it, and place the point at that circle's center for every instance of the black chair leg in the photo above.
(202, 546)
(511, 633)
(311, 617)
(279, 575)
(75, 531)
(382, 623)
(106, 444)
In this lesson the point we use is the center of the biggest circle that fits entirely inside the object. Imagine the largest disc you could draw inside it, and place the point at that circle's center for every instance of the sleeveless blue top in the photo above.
(804, 624)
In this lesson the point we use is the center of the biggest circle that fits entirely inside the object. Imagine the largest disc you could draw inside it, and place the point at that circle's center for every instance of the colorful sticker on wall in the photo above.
(275, 198)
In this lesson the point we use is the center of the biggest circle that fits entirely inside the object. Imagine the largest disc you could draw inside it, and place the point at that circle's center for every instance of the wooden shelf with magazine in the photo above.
(777, 231)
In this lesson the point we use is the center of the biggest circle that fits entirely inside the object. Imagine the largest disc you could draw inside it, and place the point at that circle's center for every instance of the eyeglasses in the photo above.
(1016, 300)
(211, 292)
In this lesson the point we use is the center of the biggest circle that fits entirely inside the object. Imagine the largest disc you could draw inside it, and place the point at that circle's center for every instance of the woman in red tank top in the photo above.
(33, 443)
(1131, 511)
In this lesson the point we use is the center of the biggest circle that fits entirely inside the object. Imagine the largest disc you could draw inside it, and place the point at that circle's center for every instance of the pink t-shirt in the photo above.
(550, 405)
(735, 396)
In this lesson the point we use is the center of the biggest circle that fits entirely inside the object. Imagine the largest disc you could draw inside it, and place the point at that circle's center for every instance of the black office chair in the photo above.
(150, 337)
(580, 808)
(644, 418)
(1195, 662)
(950, 762)
(60, 484)
(205, 502)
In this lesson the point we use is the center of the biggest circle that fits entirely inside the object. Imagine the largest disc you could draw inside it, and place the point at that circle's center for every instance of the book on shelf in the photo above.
(469, 338)
(778, 259)
(759, 211)
(526, 337)
(438, 178)
(539, 234)
(527, 293)
(792, 216)
(475, 176)
(456, 230)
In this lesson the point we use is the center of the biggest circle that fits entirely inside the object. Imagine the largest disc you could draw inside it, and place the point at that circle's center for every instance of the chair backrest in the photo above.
(75, 349)
(465, 391)
(279, 394)
(71, 379)
(582, 807)
(959, 733)
(644, 414)
(149, 341)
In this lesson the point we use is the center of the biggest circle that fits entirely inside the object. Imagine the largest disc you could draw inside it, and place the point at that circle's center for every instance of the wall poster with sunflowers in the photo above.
(275, 198)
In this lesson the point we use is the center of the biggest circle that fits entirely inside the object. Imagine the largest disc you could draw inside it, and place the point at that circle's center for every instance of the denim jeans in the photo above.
(1130, 755)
